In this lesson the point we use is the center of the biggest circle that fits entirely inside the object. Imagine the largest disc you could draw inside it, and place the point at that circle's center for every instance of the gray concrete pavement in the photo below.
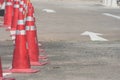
(78, 18)
(73, 56)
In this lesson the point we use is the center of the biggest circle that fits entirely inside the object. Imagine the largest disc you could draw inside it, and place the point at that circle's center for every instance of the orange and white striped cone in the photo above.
(39, 44)
(30, 5)
(17, 4)
(15, 19)
(21, 61)
(8, 13)
(32, 40)
(24, 10)
(23, 3)
(1, 73)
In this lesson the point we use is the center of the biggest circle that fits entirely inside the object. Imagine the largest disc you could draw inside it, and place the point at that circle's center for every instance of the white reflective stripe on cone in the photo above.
(24, 19)
(20, 32)
(20, 22)
(24, 5)
(31, 28)
(9, 3)
(21, 3)
(21, 9)
(29, 18)
(16, 6)
(23, 12)
(13, 32)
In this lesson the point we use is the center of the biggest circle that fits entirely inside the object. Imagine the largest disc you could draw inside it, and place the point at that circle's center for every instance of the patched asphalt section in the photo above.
(72, 61)
(82, 60)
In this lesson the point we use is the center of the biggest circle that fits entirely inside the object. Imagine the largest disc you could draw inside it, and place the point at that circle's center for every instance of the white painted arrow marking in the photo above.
(49, 10)
(94, 36)
(111, 15)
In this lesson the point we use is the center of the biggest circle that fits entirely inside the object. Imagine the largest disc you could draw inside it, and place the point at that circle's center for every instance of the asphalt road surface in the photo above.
(81, 39)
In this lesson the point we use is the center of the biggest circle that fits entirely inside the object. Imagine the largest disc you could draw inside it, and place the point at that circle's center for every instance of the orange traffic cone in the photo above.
(15, 19)
(25, 4)
(39, 44)
(28, 1)
(17, 4)
(21, 62)
(22, 3)
(33, 49)
(25, 9)
(8, 13)
(1, 73)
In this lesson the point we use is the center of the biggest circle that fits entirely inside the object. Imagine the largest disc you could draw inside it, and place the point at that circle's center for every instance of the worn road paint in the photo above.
(94, 36)
(49, 10)
(5, 74)
(111, 15)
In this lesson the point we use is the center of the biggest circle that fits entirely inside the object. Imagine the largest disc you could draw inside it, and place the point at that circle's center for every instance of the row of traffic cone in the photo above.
(7, 24)
(11, 9)
(22, 27)
(21, 59)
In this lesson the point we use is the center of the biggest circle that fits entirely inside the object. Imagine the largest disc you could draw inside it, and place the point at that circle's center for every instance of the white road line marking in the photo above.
(111, 15)
(94, 36)
(5, 74)
(49, 10)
